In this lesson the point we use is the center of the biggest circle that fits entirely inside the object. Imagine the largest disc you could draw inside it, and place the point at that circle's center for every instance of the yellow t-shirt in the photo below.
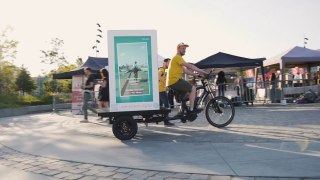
(175, 70)
(162, 80)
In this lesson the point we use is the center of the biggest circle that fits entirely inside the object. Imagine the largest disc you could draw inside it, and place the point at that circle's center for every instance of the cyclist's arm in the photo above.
(188, 72)
(159, 75)
(193, 67)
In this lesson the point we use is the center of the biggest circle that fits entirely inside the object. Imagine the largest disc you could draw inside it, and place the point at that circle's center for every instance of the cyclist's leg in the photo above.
(192, 97)
(166, 100)
(185, 87)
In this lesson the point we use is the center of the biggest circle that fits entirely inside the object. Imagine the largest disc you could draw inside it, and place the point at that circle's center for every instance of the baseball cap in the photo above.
(182, 44)
(166, 59)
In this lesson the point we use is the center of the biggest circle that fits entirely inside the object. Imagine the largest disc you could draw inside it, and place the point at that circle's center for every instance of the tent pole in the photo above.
(309, 75)
(241, 85)
(264, 83)
(256, 79)
(282, 64)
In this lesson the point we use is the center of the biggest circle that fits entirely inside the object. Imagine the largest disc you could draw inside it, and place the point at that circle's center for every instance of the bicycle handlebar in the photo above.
(205, 76)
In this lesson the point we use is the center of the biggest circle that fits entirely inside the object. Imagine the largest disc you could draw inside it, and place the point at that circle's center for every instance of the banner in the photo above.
(133, 70)
(249, 73)
(296, 70)
(77, 94)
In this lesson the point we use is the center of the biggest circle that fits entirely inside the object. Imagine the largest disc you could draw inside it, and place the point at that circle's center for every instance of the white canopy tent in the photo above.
(160, 60)
(292, 58)
(296, 55)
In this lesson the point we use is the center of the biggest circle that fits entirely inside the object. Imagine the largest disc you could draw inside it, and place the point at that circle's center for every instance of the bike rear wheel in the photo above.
(220, 111)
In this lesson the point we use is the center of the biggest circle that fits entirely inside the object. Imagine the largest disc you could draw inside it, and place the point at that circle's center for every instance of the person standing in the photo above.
(221, 82)
(164, 101)
(296, 79)
(315, 78)
(273, 93)
(88, 90)
(171, 98)
(104, 89)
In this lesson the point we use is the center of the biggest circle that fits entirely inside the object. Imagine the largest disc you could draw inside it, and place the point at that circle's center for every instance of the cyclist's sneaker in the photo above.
(179, 115)
(183, 120)
(167, 123)
(195, 111)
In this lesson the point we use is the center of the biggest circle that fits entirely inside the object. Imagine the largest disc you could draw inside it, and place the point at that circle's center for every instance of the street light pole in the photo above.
(97, 39)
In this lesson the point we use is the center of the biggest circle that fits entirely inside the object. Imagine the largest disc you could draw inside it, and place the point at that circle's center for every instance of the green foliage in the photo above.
(56, 56)
(9, 101)
(59, 86)
(7, 69)
(24, 82)
(14, 101)
(8, 73)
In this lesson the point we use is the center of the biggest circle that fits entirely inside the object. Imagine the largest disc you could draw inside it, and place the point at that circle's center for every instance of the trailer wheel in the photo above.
(124, 127)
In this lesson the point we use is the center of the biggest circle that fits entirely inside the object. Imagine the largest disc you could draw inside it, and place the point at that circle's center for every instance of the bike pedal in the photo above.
(183, 120)
(192, 117)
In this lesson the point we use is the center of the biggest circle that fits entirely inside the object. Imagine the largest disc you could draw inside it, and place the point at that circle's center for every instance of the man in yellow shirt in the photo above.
(162, 88)
(177, 68)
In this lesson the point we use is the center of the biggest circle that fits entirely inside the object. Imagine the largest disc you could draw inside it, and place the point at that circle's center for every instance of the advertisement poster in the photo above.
(295, 71)
(133, 70)
(249, 73)
(77, 94)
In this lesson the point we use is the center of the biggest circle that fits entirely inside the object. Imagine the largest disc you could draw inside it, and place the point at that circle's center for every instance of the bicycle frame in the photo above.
(208, 91)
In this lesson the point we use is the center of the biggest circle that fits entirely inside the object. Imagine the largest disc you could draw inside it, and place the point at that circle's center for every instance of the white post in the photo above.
(283, 101)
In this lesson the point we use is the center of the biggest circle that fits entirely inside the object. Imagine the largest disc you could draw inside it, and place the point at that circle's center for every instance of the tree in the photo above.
(61, 86)
(8, 73)
(79, 61)
(24, 82)
(8, 51)
(55, 54)
(8, 47)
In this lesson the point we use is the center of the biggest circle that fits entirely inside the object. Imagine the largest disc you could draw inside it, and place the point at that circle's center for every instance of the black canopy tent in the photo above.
(94, 63)
(224, 60)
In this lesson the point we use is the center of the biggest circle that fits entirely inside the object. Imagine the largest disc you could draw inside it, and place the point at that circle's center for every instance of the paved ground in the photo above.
(263, 142)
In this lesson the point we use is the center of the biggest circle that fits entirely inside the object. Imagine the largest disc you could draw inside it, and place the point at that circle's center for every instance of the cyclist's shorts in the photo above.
(181, 85)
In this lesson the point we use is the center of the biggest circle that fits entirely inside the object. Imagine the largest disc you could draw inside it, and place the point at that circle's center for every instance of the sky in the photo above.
(248, 28)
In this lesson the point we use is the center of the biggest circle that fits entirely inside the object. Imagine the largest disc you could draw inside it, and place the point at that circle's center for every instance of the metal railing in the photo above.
(265, 92)
(61, 102)
(243, 93)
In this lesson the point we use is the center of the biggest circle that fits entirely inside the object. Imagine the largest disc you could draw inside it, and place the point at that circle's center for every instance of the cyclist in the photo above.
(177, 68)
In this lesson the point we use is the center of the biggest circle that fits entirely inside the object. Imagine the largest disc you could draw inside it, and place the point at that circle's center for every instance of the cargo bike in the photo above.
(219, 112)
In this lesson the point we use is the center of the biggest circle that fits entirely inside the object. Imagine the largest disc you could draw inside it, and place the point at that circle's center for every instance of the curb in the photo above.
(8, 112)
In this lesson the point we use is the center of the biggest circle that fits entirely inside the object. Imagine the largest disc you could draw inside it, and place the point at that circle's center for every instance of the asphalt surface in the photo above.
(263, 142)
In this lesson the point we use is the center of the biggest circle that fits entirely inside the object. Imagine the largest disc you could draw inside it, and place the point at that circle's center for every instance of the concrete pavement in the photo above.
(274, 142)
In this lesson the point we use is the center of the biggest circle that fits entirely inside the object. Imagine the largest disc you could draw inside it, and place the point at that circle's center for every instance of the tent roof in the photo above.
(295, 55)
(222, 60)
(94, 63)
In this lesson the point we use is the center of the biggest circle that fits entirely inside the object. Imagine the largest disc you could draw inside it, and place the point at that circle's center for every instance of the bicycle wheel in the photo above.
(220, 111)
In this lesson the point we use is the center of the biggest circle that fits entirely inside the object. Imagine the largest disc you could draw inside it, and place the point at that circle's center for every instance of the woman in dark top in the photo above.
(273, 80)
(104, 89)
(221, 82)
